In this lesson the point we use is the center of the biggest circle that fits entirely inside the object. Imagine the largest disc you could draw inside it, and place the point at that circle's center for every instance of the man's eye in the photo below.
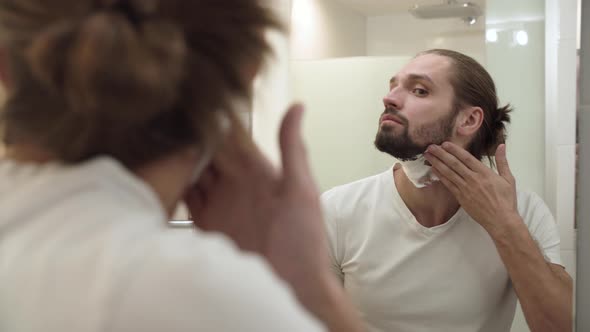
(420, 92)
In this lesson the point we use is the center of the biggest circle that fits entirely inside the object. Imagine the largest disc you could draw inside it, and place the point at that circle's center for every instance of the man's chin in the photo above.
(399, 153)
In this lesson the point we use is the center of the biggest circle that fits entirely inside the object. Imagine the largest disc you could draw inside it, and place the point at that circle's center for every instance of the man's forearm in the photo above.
(545, 294)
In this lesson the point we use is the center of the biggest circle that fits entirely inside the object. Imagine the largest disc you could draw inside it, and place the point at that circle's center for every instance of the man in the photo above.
(441, 242)
(109, 124)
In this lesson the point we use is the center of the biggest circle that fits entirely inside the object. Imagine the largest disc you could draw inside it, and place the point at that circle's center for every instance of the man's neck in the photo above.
(432, 205)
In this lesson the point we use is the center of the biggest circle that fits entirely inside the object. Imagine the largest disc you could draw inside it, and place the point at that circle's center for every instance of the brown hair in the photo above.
(133, 79)
(473, 86)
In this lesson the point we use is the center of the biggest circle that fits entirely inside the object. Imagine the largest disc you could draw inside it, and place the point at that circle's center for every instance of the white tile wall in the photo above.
(401, 34)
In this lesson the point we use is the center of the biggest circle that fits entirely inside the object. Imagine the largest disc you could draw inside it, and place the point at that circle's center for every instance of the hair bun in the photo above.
(132, 79)
(503, 113)
(135, 10)
(499, 126)
(105, 64)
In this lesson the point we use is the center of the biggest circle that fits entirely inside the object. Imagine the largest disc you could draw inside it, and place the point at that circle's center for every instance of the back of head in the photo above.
(133, 79)
(473, 86)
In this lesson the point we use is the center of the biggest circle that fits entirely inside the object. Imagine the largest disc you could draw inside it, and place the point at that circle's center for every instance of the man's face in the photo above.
(418, 108)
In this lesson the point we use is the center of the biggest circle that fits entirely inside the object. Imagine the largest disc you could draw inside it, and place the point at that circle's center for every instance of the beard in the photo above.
(402, 146)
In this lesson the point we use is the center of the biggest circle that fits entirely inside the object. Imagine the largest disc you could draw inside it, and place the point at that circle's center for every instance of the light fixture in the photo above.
(466, 11)
(521, 37)
(470, 20)
(447, 9)
(492, 35)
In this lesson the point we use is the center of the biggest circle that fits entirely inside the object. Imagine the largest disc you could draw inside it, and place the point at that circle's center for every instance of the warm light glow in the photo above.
(303, 16)
(304, 21)
(439, 41)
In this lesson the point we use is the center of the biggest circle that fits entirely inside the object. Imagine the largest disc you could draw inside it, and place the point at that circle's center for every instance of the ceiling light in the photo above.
(521, 37)
(447, 10)
(492, 35)
(470, 20)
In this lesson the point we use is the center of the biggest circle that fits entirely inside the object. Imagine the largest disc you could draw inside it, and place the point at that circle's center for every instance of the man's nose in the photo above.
(393, 99)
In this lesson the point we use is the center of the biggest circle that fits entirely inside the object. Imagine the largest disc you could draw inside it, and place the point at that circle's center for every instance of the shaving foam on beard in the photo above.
(240, 107)
(419, 172)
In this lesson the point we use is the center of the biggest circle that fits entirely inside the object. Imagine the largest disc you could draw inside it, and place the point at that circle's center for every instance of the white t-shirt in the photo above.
(402, 276)
(86, 248)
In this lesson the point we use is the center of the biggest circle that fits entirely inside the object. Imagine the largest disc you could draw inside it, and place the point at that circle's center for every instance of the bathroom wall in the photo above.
(515, 52)
(401, 34)
(344, 101)
(272, 92)
(325, 29)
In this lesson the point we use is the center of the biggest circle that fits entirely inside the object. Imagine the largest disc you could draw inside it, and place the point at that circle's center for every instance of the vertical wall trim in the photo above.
(583, 185)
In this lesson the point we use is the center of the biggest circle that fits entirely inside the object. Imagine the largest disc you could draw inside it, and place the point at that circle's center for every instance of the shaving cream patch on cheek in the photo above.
(208, 151)
(241, 107)
(419, 172)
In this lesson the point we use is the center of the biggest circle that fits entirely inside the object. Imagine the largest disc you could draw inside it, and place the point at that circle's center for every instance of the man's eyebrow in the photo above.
(420, 77)
(414, 77)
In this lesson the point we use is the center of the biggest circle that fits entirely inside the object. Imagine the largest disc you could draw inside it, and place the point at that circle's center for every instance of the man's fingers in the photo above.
(450, 162)
(195, 201)
(238, 155)
(447, 183)
(293, 152)
(235, 148)
(441, 169)
(502, 163)
(207, 178)
(465, 157)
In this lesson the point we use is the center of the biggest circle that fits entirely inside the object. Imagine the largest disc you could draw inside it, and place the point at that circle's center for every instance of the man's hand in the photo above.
(543, 289)
(274, 213)
(489, 198)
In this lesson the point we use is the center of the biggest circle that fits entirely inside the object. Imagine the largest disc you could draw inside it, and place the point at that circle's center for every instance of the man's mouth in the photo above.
(391, 118)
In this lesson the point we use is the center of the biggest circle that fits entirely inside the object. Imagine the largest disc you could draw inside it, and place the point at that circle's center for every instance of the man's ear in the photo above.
(469, 121)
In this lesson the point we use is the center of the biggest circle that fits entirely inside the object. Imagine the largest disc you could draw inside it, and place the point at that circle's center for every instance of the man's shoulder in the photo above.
(537, 216)
(530, 202)
(357, 187)
(196, 272)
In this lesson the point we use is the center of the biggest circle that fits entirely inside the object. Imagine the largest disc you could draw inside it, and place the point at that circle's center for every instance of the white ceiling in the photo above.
(385, 7)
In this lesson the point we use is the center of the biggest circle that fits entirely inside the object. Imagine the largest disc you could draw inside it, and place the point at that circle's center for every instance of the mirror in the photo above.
(343, 53)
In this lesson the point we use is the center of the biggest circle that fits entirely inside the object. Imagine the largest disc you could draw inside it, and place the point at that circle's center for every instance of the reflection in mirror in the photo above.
(343, 55)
